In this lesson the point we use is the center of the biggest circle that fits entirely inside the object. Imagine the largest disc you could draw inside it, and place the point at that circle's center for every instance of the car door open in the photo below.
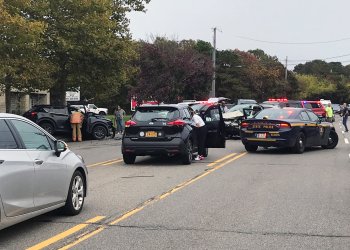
(214, 121)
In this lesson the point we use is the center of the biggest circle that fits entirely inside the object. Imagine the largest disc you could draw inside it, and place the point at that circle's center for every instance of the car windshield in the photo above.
(156, 114)
(276, 114)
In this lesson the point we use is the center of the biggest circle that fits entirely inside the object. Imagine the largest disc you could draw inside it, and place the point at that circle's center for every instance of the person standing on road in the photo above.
(224, 109)
(119, 114)
(329, 113)
(76, 121)
(345, 115)
(200, 133)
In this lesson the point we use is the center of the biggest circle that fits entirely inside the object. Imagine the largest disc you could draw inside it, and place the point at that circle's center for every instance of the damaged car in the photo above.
(236, 115)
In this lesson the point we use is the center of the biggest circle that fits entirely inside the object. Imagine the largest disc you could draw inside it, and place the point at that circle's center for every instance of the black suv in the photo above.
(56, 119)
(166, 130)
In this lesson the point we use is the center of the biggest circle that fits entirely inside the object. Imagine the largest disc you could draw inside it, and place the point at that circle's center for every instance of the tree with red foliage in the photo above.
(172, 71)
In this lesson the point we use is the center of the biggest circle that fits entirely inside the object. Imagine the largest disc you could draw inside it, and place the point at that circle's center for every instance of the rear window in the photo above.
(312, 105)
(294, 104)
(276, 114)
(145, 114)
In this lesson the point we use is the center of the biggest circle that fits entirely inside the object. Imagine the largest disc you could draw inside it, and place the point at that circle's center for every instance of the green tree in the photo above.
(22, 67)
(315, 88)
(90, 45)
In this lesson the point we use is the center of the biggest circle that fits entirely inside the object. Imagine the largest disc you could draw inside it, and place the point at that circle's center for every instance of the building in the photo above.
(21, 102)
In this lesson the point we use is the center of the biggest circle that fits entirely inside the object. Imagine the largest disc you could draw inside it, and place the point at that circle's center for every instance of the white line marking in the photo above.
(346, 140)
(342, 132)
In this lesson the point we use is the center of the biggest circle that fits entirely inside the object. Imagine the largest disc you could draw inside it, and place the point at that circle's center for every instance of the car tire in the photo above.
(187, 156)
(332, 140)
(48, 127)
(251, 148)
(299, 146)
(102, 113)
(129, 158)
(99, 132)
(76, 194)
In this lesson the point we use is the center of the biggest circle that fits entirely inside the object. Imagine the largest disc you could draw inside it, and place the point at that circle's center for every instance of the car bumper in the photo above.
(174, 146)
(282, 139)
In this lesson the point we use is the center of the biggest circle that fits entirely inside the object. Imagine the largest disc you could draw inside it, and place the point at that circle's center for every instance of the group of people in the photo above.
(77, 118)
(344, 113)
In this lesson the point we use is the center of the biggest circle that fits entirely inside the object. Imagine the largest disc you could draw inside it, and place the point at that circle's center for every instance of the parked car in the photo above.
(295, 128)
(37, 172)
(89, 108)
(56, 119)
(166, 130)
(236, 115)
(246, 101)
(336, 108)
(316, 106)
(94, 109)
(283, 102)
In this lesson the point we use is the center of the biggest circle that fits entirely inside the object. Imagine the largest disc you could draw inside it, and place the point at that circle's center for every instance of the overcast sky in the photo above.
(316, 23)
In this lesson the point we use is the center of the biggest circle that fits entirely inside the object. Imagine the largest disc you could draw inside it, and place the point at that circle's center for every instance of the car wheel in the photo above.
(48, 127)
(76, 194)
(299, 146)
(99, 132)
(187, 155)
(332, 140)
(129, 158)
(251, 148)
(102, 113)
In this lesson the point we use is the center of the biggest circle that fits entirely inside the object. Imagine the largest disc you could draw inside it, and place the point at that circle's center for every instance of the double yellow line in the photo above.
(105, 163)
(88, 234)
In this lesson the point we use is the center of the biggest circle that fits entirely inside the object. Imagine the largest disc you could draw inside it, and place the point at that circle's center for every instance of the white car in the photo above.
(37, 172)
(94, 109)
(91, 108)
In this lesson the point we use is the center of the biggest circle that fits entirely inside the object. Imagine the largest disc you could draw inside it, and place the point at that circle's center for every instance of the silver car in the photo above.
(37, 172)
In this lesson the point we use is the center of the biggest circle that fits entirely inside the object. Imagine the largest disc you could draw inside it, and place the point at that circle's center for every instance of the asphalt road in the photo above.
(272, 199)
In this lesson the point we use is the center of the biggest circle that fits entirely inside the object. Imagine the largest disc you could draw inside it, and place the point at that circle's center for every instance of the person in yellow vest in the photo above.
(329, 113)
(76, 121)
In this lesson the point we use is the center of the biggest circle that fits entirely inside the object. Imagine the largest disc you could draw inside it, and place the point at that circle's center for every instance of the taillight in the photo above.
(284, 125)
(179, 123)
(130, 123)
(33, 114)
(244, 125)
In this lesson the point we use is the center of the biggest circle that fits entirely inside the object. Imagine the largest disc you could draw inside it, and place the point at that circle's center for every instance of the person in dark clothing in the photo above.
(200, 133)
(345, 115)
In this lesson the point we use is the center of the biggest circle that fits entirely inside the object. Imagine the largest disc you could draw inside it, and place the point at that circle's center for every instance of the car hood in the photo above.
(232, 115)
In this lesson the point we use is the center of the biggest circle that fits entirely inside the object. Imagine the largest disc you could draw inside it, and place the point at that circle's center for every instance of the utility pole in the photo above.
(212, 94)
(286, 72)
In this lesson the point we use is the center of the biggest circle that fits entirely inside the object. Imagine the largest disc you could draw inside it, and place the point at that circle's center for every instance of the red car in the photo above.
(316, 106)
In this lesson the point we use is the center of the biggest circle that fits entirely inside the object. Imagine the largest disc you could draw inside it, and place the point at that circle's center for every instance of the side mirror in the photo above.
(60, 146)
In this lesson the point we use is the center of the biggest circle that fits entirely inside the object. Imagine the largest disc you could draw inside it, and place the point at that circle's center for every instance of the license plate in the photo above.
(151, 134)
(261, 135)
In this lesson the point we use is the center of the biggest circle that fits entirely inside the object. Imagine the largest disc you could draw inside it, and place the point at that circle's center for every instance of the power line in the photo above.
(327, 58)
(293, 43)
